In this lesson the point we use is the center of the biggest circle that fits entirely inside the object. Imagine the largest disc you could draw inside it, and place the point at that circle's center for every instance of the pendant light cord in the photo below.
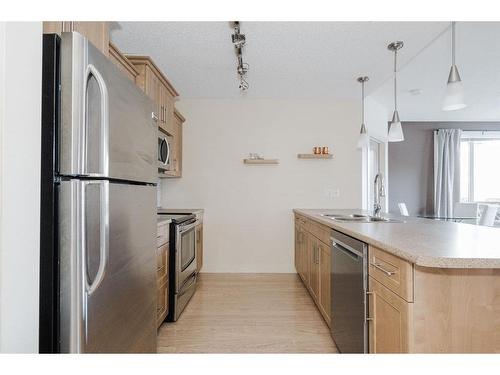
(395, 81)
(453, 43)
(363, 102)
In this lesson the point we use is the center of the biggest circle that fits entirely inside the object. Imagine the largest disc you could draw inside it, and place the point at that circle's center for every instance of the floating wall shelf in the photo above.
(314, 156)
(261, 161)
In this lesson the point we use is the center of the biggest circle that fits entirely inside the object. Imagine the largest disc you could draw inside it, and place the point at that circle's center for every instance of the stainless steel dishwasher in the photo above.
(349, 283)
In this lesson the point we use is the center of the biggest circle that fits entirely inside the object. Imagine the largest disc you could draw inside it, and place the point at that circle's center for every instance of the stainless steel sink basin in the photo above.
(357, 218)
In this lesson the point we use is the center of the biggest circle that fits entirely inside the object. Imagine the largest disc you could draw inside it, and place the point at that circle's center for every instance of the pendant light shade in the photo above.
(395, 129)
(454, 95)
(364, 138)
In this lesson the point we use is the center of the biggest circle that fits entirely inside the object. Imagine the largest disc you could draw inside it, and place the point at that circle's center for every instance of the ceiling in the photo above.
(287, 59)
(478, 61)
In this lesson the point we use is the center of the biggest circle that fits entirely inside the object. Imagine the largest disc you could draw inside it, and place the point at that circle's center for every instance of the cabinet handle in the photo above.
(380, 268)
(368, 319)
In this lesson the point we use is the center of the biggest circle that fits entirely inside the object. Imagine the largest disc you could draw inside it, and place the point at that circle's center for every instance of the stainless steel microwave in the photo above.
(164, 152)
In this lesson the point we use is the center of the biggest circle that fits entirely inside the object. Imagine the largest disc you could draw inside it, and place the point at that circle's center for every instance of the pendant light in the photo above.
(395, 129)
(454, 96)
(364, 139)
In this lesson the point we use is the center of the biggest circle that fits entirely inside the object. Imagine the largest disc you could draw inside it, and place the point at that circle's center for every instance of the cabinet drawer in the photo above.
(322, 232)
(162, 257)
(161, 303)
(162, 234)
(302, 221)
(394, 273)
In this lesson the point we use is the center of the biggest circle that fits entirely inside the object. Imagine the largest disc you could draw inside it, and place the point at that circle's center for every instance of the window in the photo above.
(479, 166)
(373, 163)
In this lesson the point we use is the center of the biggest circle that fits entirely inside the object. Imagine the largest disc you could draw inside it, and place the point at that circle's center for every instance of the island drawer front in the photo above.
(394, 273)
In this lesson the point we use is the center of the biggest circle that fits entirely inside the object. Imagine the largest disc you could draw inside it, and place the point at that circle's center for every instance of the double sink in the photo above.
(359, 218)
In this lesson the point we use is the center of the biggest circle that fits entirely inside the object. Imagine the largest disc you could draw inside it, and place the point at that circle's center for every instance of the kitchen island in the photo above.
(433, 287)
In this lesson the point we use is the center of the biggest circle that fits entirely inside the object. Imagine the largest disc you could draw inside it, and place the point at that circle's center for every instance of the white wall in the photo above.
(248, 209)
(20, 118)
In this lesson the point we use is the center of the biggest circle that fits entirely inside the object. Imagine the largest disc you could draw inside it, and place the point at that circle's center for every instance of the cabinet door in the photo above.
(306, 255)
(297, 252)
(152, 89)
(163, 107)
(388, 320)
(168, 107)
(314, 268)
(199, 247)
(324, 280)
(177, 146)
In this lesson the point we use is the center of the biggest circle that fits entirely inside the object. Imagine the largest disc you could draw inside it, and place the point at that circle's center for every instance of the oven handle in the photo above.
(193, 277)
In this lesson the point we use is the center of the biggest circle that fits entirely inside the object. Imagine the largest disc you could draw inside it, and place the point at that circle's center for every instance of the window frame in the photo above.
(471, 137)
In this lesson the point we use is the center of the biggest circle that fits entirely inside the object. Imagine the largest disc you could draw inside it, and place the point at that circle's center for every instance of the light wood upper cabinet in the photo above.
(122, 62)
(96, 32)
(155, 84)
(389, 316)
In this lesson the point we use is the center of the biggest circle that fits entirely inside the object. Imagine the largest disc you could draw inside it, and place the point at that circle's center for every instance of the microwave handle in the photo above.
(168, 151)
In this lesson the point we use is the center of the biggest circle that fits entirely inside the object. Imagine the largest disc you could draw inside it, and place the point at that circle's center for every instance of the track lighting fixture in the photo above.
(239, 41)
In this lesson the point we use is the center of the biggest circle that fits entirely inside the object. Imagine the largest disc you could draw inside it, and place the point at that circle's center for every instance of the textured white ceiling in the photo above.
(478, 60)
(287, 59)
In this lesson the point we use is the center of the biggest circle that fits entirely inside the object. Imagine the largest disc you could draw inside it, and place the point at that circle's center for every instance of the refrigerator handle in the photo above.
(104, 147)
(104, 239)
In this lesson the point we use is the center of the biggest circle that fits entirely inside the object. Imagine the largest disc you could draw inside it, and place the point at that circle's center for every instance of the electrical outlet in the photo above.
(332, 193)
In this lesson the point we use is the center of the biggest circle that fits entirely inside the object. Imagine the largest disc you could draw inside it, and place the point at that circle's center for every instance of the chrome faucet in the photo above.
(377, 194)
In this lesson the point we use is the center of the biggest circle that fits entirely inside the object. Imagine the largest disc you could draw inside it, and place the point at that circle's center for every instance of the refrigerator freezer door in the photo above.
(108, 267)
(106, 128)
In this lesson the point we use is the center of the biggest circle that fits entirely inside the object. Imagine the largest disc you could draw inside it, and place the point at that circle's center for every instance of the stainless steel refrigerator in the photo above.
(98, 205)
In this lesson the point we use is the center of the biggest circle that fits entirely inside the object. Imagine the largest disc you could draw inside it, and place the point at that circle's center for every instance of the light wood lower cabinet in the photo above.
(389, 317)
(312, 262)
(162, 283)
(199, 247)
(325, 296)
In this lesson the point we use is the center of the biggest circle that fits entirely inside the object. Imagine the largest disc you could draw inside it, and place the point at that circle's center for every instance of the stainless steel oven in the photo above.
(182, 263)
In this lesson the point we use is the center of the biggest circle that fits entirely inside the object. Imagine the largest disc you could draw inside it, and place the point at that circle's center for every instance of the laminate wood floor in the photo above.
(248, 313)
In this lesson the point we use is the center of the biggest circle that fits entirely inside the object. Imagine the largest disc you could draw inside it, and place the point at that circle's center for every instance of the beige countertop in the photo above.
(161, 220)
(424, 242)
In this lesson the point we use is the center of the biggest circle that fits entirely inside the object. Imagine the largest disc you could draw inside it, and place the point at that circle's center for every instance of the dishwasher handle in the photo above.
(346, 249)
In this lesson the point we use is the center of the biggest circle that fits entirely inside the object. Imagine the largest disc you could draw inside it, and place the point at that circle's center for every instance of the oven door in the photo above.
(186, 255)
